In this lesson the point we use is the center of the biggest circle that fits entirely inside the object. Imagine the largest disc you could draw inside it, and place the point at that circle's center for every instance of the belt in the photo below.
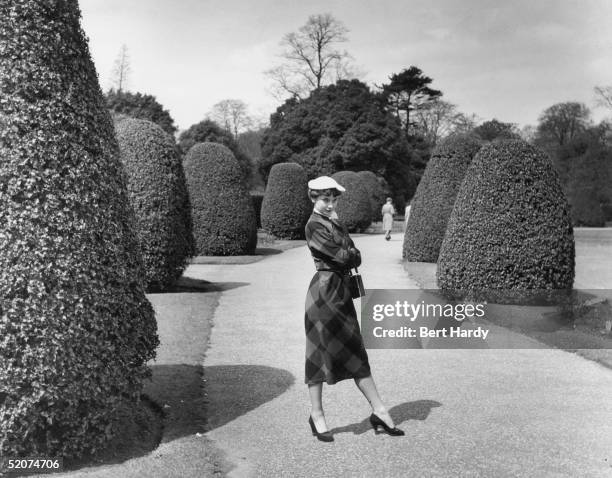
(344, 272)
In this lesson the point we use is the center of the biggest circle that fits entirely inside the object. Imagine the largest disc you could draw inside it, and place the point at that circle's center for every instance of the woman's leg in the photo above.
(316, 401)
(368, 388)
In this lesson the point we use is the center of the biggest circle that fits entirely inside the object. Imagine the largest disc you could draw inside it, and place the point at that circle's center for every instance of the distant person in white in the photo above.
(388, 211)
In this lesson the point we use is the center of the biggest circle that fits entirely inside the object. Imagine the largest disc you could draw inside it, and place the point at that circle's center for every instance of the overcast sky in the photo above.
(506, 59)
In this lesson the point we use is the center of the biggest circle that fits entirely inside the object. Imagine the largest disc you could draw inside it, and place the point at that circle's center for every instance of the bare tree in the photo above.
(438, 119)
(232, 115)
(603, 96)
(311, 57)
(528, 133)
(563, 121)
(121, 70)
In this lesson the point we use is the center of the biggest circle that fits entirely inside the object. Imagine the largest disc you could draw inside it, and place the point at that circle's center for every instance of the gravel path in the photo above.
(465, 412)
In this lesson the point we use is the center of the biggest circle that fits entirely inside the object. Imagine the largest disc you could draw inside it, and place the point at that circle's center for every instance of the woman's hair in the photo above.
(315, 193)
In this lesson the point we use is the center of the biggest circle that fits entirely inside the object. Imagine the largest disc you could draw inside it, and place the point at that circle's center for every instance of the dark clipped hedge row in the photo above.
(76, 329)
(286, 206)
(354, 208)
(157, 192)
(510, 228)
(435, 196)
(376, 191)
(222, 214)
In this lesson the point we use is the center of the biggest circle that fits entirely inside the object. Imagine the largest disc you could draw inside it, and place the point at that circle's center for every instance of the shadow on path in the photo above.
(179, 393)
(267, 251)
(234, 390)
(188, 284)
(417, 410)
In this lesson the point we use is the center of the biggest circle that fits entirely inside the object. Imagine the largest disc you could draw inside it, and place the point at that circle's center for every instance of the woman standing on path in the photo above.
(334, 346)
(388, 211)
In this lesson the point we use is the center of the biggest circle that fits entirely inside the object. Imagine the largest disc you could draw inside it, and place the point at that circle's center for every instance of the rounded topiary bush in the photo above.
(76, 329)
(157, 192)
(435, 196)
(286, 207)
(354, 208)
(376, 192)
(510, 228)
(223, 219)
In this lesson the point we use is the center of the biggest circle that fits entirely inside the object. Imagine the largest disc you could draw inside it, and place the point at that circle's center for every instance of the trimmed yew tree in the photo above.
(286, 206)
(76, 329)
(376, 191)
(223, 219)
(157, 191)
(354, 208)
(435, 196)
(510, 229)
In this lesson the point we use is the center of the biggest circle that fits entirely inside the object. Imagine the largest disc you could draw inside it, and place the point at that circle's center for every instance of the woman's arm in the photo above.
(321, 241)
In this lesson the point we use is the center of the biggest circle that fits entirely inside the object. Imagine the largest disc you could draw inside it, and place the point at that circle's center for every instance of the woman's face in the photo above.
(325, 204)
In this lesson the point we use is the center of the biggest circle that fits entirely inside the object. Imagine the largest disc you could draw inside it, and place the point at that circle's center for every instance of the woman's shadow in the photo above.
(417, 410)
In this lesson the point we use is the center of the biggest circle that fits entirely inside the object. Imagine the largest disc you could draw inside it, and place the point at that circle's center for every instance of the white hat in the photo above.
(324, 182)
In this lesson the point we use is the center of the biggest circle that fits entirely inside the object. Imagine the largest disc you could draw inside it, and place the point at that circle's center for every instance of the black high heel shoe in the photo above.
(325, 436)
(377, 422)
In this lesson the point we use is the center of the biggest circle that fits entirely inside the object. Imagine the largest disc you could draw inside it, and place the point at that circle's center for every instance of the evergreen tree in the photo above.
(223, 218)
(140, 106)
(338, 127)
(76, 328)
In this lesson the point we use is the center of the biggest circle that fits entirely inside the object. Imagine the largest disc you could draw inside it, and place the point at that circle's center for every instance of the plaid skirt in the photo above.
(334, 346)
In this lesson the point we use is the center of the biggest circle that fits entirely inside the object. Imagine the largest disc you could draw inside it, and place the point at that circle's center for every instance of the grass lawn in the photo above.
(585, 334)
(164, 435)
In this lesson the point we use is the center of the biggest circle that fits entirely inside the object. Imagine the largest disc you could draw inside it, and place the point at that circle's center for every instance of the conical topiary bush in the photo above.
(376, 191)
(510, 228)
(354, 208)
(157, 192)
(223, 219)
(435, 196)
(286, 207)
(76, 329)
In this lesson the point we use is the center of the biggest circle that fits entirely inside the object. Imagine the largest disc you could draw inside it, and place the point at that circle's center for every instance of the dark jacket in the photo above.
(330, 245)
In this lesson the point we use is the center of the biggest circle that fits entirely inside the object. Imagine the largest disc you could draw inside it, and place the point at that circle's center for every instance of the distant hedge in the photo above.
(224, 222)
(256, 201)
(510, 227)
(286, 206)
(435, 196)
(157, 191)
(584, 188)
(354, 207)
(208, 131)
(76, 329)
(376, 192)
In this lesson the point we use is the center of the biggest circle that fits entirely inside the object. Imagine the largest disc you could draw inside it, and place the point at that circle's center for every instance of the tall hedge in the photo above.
(354, 208)
(158, 192)
(76, 329)
(376, 191)
(207, 131)
(286, 208)
(224, 222)
(510, 228)
(435, 196)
